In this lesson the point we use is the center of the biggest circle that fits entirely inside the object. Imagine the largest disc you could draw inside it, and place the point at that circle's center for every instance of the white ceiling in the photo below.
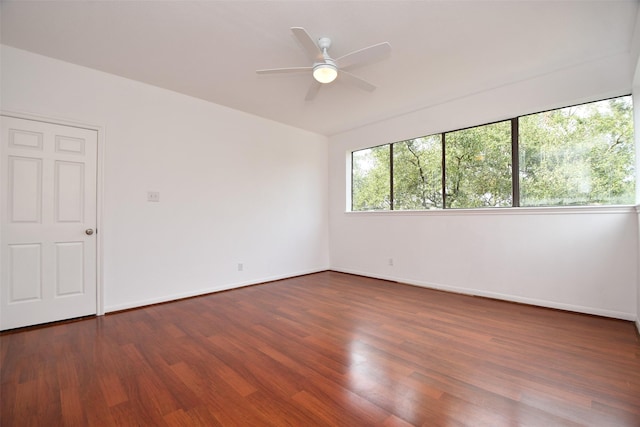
(441, 50)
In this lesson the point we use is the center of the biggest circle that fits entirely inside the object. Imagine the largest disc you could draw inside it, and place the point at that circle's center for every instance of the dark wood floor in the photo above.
(325, 349)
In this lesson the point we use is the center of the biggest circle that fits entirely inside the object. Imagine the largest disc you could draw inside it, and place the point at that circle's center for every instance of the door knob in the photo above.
(89, 231)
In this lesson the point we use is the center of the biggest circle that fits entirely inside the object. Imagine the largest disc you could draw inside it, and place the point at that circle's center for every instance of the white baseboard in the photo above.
(506, 297)
(638, 325)
(205, 291)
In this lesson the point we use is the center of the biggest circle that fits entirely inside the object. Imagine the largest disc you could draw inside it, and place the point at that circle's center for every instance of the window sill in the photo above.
(546, 210)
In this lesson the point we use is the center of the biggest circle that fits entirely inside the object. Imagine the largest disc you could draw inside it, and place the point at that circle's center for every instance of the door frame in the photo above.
(100, 129)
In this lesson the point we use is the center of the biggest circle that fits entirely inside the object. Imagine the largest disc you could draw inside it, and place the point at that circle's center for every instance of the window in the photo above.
(370, 179)
(581, 155)
(478, 167)
(417, 173)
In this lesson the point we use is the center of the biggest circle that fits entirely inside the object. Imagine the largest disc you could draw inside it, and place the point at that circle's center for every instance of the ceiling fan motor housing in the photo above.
(324, 43)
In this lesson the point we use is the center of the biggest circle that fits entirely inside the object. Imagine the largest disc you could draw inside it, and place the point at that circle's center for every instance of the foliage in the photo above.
(478, 166)
(581, 155)
(371, 179)
(417, 173)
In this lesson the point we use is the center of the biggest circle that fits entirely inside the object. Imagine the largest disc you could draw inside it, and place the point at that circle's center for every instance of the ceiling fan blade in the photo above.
(347, 77)
(285, 70)
(364, 55)
(310, 47)
(313, 91)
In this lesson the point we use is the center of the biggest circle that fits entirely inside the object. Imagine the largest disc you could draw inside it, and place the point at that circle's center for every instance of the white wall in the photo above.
(636, 111)
(638, 260)
(635, 54)
(636, 102)
(577, 259)
(234, 188)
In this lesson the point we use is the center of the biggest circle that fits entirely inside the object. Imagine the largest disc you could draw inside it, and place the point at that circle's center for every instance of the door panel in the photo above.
(69, 265)
(25, 189)
(48, 188)
(69, 191)
(25, 274)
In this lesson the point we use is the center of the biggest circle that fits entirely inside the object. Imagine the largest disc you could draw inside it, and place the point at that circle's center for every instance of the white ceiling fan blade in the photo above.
(285, 70)
(310, 47)
(313, 91)
(347, 77)
(364, 56)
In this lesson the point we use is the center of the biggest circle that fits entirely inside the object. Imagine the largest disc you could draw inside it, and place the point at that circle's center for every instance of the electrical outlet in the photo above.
(390, 262)
(240, 266)
(153, 196)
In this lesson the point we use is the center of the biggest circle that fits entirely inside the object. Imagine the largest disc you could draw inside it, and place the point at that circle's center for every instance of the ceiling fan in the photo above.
(326, 69)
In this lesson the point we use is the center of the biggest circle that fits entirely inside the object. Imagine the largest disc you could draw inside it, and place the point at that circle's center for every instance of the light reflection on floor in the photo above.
(417, 397)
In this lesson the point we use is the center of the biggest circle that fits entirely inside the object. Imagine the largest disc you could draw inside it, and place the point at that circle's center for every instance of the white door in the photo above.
(48, 248)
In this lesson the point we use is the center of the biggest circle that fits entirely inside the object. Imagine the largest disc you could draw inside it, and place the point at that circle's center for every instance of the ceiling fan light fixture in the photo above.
(325, 72)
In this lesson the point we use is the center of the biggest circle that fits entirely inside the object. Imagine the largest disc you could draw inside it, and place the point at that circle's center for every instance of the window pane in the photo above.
(370, 179)
(582, 155)
(478, 166)
(417, 173)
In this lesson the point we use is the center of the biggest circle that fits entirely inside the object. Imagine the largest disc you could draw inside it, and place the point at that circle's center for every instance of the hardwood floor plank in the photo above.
(112, 390)
(199, 416)
(72, 407)
(280, 412)
(327, 349)
(394, 421)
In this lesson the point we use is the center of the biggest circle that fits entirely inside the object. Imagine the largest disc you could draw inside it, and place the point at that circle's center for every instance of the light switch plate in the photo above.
(153, 196)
